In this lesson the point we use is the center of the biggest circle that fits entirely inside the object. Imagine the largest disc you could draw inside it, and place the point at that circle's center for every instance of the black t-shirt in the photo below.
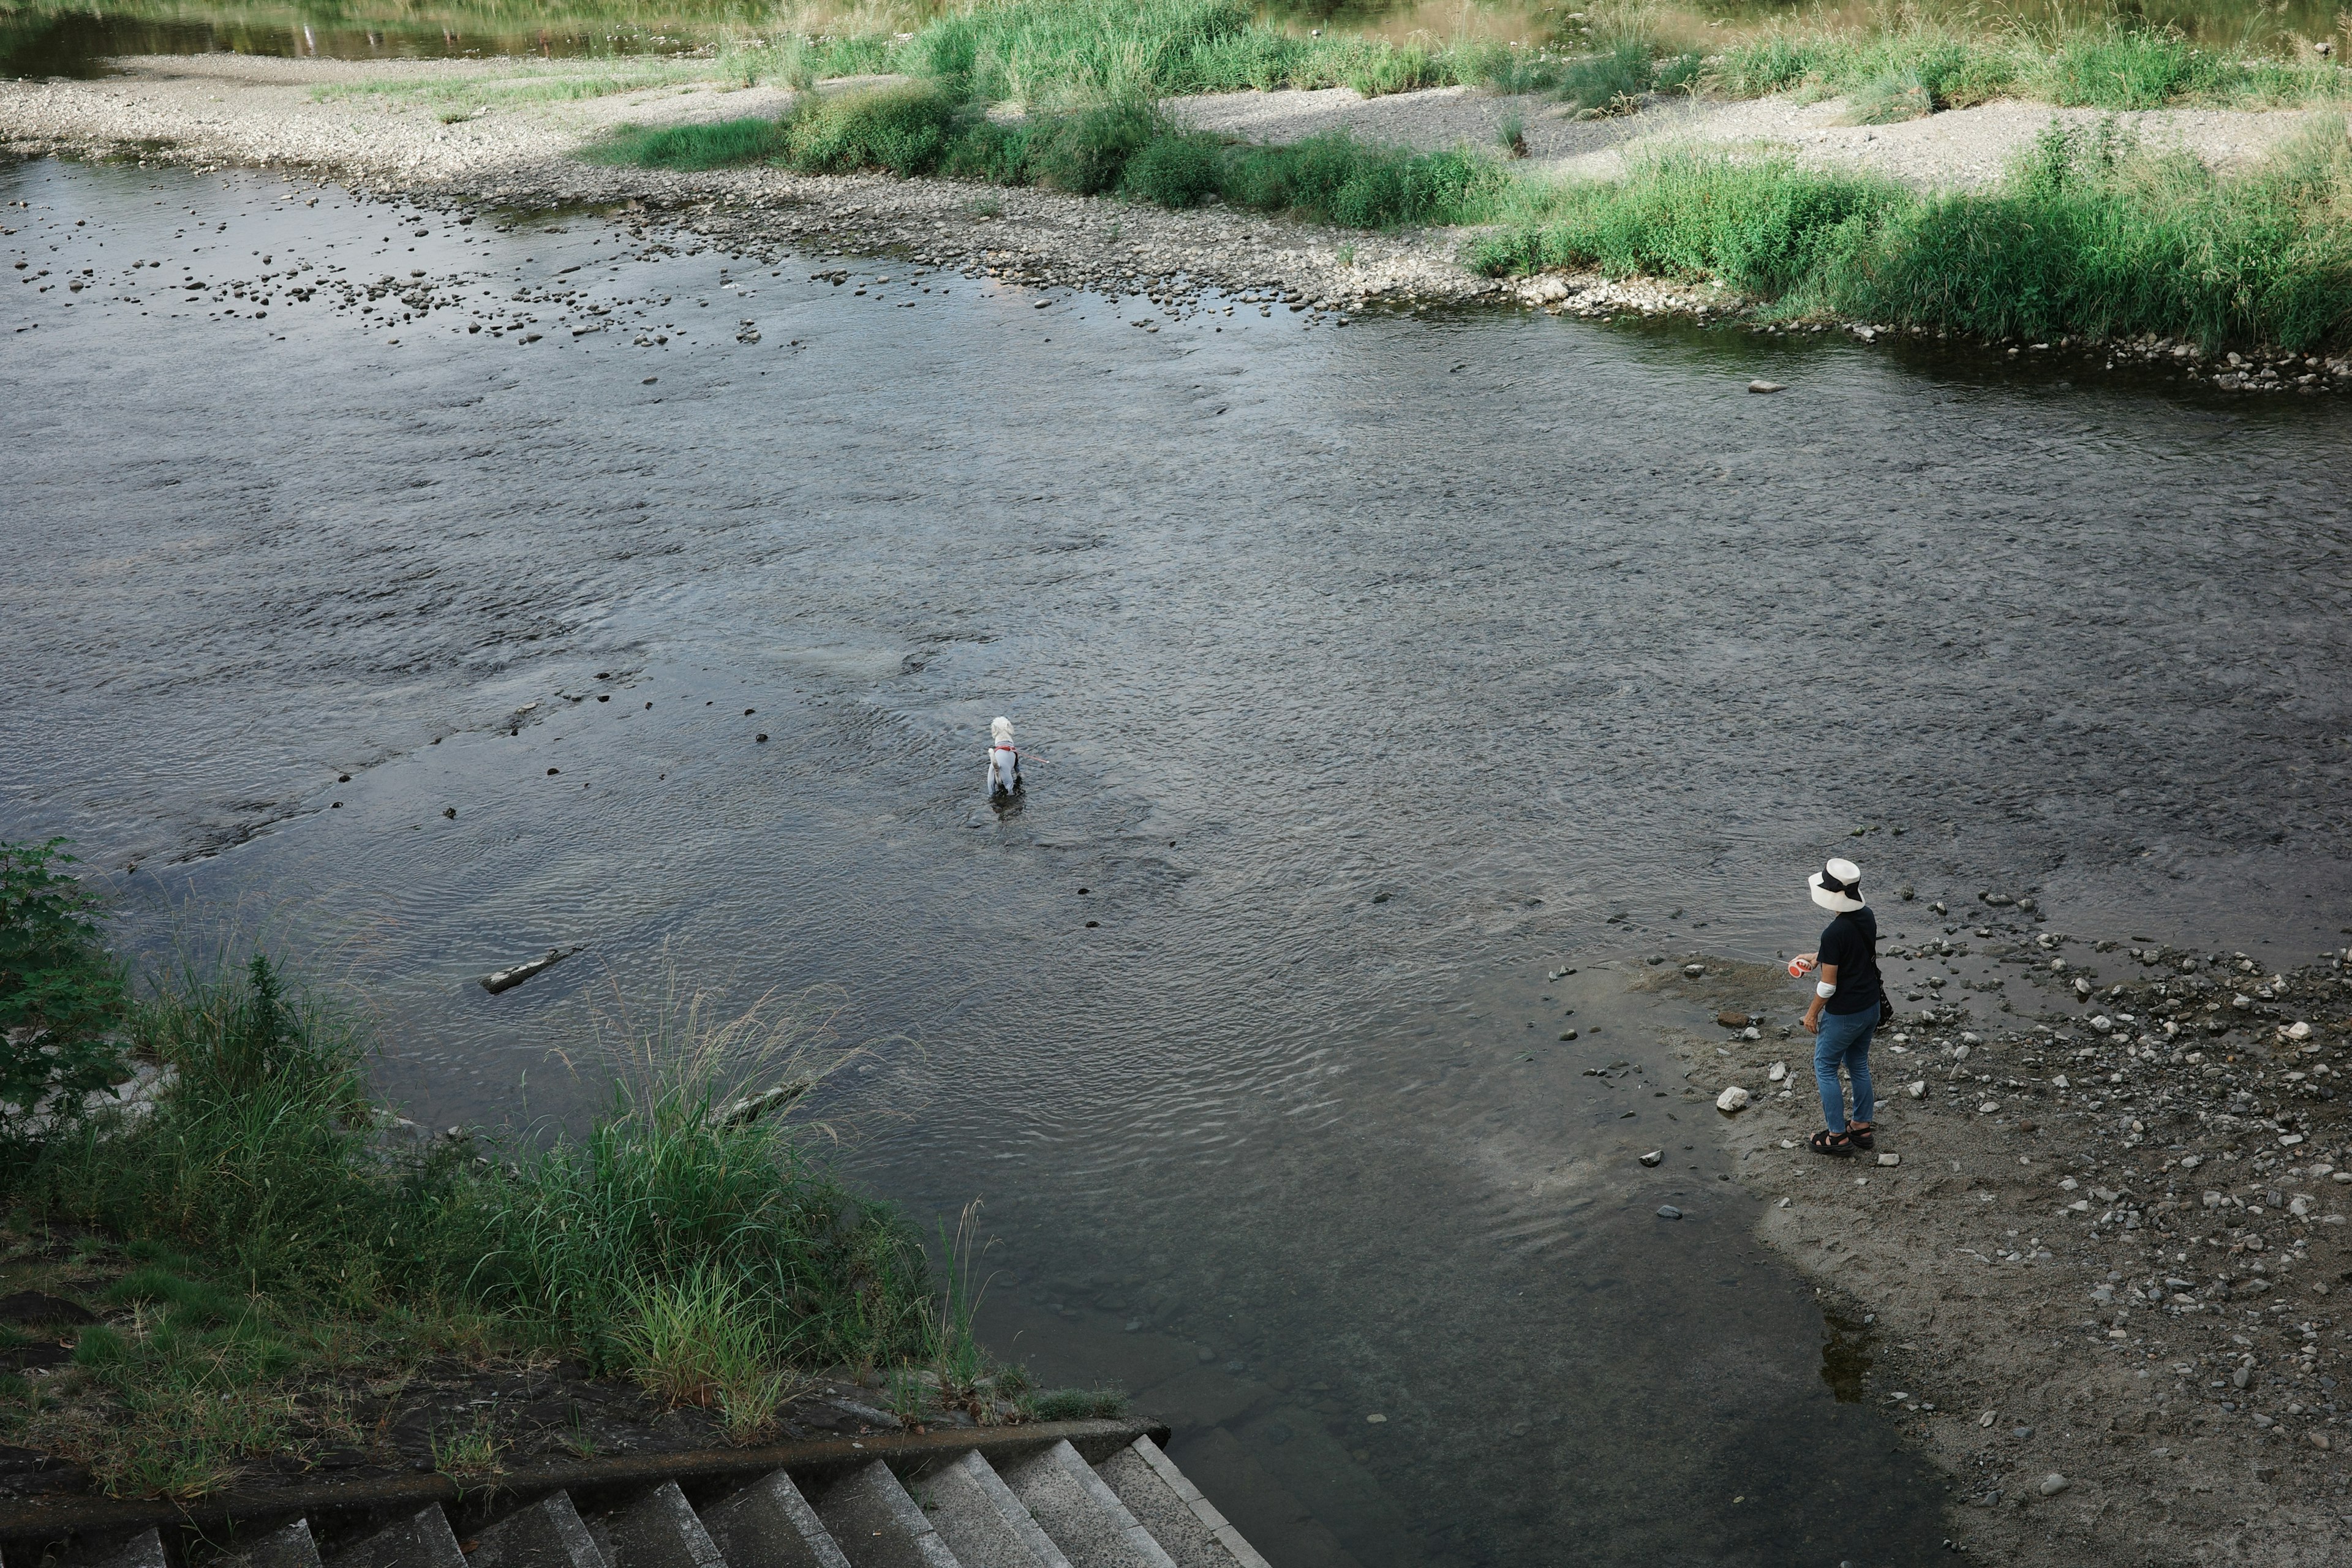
(1851, 942)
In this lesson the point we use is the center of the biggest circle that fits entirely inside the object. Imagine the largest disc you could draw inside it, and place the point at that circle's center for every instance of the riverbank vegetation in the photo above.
(2090, 236)
(1130, 147)
(1055, 53)
(263, 1237)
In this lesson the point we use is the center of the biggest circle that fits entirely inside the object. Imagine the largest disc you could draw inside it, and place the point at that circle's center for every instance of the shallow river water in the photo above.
(1367, 676)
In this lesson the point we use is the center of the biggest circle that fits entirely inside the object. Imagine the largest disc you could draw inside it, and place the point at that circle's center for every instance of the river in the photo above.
(1368, 678)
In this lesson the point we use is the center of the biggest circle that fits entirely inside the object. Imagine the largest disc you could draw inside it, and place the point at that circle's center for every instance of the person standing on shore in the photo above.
(1848, 1000)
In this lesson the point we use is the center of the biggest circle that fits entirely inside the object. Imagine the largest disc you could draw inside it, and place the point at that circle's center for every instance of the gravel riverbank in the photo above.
(2100, 1258)
(507, 144)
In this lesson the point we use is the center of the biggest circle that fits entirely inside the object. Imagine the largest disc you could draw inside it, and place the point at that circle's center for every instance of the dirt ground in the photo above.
(2098, 1255)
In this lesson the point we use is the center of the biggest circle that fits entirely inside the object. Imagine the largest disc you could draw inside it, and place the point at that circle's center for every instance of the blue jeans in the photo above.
(1844, 1037)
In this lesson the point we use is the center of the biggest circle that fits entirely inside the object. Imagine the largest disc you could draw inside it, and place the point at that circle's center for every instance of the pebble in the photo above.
(1654, 1156)
(1668, 1210)
(1734, 1099)
(2053, 1483)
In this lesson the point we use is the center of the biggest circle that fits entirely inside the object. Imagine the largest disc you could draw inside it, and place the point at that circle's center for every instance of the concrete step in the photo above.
(1187, 1525)
(979, 1519)
(769, 1524)
(288, 1546)
(547, 1534)
(660, 1530)
(421, 1541)
(1087, 1520)
(144, 1550)
(877, 1525)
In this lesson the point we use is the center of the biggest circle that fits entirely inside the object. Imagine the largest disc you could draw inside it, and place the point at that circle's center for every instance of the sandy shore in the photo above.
(2100, 1256)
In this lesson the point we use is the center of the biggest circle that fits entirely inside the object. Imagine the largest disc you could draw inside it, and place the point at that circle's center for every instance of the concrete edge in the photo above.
(54, 1519)
(1148, 1447)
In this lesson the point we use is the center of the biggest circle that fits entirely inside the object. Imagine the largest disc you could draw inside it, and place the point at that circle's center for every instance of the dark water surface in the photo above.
(1367, 676)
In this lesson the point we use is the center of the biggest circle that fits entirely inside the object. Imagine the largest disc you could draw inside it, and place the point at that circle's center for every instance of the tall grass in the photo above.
(1057, 53)
(2114, 65)
(706, 1254)
(2089, 235)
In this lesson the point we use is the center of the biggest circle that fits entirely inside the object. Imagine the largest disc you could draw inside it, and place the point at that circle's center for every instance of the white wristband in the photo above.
(1823, 989)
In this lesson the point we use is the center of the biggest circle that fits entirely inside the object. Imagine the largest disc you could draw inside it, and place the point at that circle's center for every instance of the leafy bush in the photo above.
(905, 129)
(1176, 171)
(1085, 152)
(61, 992)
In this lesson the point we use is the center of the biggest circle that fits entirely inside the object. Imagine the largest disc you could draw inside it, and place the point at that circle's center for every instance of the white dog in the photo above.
(1003, 762)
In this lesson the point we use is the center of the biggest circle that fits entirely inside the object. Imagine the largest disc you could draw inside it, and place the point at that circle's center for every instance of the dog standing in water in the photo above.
(1003, 761)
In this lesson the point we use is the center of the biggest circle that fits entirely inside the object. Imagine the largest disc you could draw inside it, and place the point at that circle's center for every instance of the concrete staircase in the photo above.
(1007, 1506)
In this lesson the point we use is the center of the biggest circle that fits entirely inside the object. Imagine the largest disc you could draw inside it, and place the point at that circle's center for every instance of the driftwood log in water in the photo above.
(500, 980)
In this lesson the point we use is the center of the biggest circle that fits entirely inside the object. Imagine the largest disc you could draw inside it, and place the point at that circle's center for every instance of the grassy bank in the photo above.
(1057, 53)
(2090, 236)
(1124, 147)
(263, 1242)
(1911, 67)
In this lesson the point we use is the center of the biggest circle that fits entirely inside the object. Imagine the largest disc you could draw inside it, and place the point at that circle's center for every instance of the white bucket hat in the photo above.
(1838, 886)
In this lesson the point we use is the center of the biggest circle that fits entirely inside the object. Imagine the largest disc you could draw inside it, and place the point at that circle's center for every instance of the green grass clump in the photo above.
(1125, 146)
(2088, 235)
(905, 129)
(1765, 226)
(712, 145)
(653, 1196)
(699, 1340)
(1890, 99)
(1077, 1405)
(1336, 179)
(1611, 80)
(2135, 68)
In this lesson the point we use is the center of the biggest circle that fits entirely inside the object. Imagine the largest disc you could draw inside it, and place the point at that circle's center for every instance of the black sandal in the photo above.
(1864, 1134)
(1833, 1144)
